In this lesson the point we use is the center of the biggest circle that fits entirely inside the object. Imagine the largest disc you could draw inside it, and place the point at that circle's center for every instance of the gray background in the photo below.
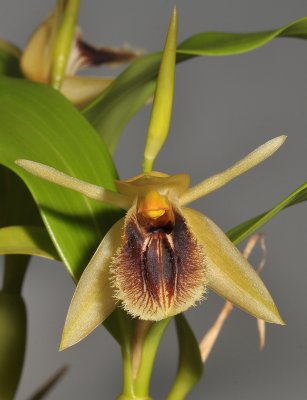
(224, 108)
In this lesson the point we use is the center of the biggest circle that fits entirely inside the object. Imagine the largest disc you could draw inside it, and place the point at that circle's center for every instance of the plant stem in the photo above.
(149, 349)
(15, 268)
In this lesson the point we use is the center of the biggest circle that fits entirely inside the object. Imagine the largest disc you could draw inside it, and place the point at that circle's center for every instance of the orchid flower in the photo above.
(56, 51)
(162, 257)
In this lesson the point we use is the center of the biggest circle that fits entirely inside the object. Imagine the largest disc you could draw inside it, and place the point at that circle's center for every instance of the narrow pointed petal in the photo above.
(162, 106)
(93, 300)
(228, 273)
(87, 189)
(216, 181)
(81, 90)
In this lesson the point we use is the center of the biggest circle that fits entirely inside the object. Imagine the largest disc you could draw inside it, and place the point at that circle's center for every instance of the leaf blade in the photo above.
(242, 231)
(114, 108)
(190, 366)
(30, 240)
(56, 134)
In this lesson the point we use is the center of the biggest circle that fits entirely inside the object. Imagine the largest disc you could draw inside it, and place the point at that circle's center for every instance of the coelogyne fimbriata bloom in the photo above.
(159, 259)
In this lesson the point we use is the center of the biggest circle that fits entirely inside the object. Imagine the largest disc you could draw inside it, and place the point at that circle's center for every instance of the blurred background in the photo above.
(224, 108)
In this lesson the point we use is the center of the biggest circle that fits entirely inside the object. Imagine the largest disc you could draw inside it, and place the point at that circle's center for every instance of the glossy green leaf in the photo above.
(112, 110)
(9, 60)
(30, 240)
(225, 44)
(190, 367)
(38, 124)
(242, 231)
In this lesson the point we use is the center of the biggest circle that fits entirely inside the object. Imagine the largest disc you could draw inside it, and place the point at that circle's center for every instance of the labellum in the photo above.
(159, 270)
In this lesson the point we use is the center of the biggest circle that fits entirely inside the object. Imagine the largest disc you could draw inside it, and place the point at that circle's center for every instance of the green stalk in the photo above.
(13, 323)
(15, 268)
(148, 354)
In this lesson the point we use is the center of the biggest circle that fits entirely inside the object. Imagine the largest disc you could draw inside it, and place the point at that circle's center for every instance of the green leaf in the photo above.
(190, 367)
(112, 110)
(30, 240)
(16, 203)
(9, 60)
(242, 231)
(225, 44)
(38, 124)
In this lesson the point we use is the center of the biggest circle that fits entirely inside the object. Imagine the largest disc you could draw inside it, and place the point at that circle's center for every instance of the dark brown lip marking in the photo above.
(103, 55)
(159, 270)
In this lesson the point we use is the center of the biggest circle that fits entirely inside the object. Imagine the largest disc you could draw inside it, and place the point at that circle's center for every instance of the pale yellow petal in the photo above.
(87, 189)
(216, 181)
(93, 299)
(229, 274)
(36, 58)
(81, 90)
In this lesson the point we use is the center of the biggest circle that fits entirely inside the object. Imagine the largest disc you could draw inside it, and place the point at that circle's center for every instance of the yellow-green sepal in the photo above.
(81, 90)
(93, 299)
(228, 273)
(37, 56)
(162, 106)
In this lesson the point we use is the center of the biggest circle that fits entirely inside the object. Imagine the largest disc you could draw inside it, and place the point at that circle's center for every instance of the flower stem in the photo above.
(149, 349)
